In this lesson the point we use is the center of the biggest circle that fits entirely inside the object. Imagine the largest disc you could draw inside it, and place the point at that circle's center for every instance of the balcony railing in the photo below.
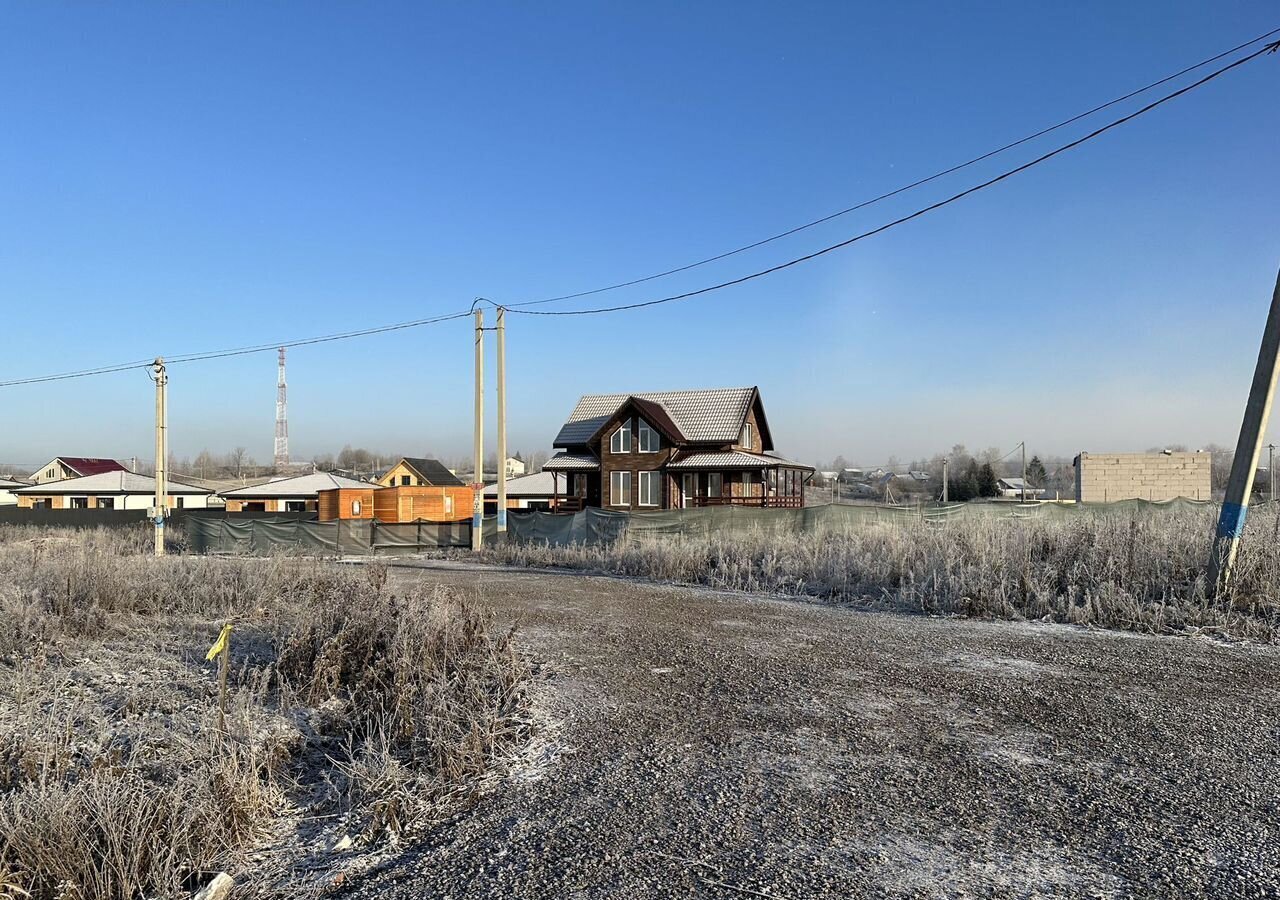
(757, 502)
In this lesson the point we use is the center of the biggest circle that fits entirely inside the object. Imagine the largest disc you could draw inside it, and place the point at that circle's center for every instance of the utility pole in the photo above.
(162, 451)
(502, 420)
(1253, 428)
(946, 481)
(1024, 471)
(477, 480)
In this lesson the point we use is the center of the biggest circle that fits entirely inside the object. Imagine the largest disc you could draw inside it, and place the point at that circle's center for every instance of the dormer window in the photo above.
(648, 438)
(621, 440)
(748, 436)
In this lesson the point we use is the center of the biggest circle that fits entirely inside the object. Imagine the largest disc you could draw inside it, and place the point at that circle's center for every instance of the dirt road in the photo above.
(728, 746)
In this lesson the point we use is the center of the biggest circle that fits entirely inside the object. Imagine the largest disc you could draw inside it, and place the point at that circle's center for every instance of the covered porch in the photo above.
(736, 478)
(575, 481)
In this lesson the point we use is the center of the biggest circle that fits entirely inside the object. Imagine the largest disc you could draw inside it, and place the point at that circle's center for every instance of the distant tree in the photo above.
(988, 484)
(839, 464)
(238, 459)
(1036, 474)
(536, 460)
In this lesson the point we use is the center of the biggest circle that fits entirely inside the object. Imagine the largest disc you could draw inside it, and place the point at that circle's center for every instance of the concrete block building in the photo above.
(1107, 477)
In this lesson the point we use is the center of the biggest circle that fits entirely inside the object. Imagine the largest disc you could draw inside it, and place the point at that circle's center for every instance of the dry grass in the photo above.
(1133, 572)
(351, 705)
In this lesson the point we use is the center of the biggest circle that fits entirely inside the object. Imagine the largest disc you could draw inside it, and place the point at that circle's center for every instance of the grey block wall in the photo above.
(1105, 477)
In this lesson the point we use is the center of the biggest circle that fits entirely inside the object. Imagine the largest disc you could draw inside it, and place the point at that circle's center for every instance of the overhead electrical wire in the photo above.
(515, 308)
(1269, 48)
(906, 187)
(240, 351)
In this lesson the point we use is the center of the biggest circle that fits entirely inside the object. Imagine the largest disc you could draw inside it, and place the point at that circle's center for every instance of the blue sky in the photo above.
(185, 177)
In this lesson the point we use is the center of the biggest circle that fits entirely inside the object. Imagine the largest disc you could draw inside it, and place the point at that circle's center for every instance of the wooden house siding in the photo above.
(634, 462)
(337, 503)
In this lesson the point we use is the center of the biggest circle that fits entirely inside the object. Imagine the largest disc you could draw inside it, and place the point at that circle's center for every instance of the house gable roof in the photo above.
(119, 482)
(86, 465)
(299, 486)
(712, 416)
(432, 472)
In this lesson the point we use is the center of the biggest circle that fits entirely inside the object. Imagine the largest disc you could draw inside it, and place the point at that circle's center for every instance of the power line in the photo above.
(915, 184)
(274, 345)
(238, 351)
(907, 218)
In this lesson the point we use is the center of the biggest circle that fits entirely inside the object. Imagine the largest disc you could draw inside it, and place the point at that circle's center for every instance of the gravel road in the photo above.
(730, 746)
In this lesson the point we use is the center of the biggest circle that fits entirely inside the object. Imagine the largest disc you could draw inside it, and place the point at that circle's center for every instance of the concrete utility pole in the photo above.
(945, 480)
(477, 480)
(162, 452)
(502, 420)
(1253, 430)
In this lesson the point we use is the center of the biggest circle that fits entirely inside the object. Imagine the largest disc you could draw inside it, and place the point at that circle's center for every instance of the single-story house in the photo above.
(1011, 489)
(298, 494)
(415, 471)
(109, 490)
(61, 468)
(7, 488)
(536, 491)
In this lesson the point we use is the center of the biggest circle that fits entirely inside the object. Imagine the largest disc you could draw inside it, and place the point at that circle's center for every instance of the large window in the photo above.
(748, 436)
(619, 488)
(715, 484)
(106, 503)
(650, 488)
(621, 440)
(648, 438)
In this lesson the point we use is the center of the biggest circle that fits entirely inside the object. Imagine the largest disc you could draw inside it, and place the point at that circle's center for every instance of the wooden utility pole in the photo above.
(477, 479)
(1271, 472)
(1024, 471)
(945, 480)
(1253, 429)
(502, 420)
(161, 379)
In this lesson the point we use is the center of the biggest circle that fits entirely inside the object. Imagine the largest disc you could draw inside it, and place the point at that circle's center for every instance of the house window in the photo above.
(619, 488)
(748, 479)
(295, 506)
(355, 507)
(650, 488)
(648, 438)
(748, 435)
(79, 502)
(405, 480)
(106, 503)
(178, 502)
(448, 505)
(715, 484)
(621, 440)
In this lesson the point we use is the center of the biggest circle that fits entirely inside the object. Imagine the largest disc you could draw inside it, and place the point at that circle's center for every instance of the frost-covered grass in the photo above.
(351, 705)
(1141, 572)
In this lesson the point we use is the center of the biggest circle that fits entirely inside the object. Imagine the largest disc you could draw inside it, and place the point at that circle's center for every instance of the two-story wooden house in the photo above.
(672, 450)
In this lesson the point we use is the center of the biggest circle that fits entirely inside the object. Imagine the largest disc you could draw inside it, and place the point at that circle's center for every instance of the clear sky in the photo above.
(185, 177)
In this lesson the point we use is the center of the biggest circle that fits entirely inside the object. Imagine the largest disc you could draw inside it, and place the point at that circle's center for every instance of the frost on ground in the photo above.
(1115, 570)
(357, 716)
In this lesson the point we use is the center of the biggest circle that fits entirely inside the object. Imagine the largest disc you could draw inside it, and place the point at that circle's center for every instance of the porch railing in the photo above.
(758, 502)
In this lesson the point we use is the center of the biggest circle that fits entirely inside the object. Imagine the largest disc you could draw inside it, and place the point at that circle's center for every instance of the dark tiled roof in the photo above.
(433, 472)
(711, 416)
(91, 465)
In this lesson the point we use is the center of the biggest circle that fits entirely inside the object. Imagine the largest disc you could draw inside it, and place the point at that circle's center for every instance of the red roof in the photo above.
(91, 465)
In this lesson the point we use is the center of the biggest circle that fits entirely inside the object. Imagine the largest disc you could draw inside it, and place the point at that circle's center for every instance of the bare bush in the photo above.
(1133, 572)
(347, 699)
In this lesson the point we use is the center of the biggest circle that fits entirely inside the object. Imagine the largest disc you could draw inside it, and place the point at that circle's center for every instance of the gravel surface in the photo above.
(719, 745)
